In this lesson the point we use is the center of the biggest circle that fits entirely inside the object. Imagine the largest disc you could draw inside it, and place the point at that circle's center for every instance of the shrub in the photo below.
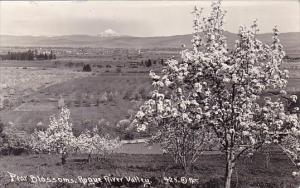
(14, 141)
(90, 142)
(148, 63)
(118, 69)
(110, 97)
(128, 135)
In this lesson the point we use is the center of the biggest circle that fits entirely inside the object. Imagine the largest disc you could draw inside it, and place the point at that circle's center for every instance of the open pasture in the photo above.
(34, 78)
(16, 82)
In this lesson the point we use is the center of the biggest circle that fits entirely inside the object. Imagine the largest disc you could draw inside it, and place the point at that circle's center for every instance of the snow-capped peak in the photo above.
(109, 33)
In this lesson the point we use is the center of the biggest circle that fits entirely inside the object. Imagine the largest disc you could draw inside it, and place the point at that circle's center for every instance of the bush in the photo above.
(143, 93)
(148, 63)
(69, 64)
(118, 69)
(110, 97)
(7, 103)
(137, 96)
(129, 93)
(129, 135)
(14, 141)
(104, 97)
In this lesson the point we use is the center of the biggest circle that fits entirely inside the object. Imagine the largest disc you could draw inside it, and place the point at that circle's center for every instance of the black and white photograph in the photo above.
(150, 94)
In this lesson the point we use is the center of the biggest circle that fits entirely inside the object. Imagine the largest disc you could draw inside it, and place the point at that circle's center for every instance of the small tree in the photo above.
(104, 97)
(223, 90)
(91, 142)
(175, 121)
(57, 138)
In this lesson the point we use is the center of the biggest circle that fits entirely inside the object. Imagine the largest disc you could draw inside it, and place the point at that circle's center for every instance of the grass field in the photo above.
(209, 170)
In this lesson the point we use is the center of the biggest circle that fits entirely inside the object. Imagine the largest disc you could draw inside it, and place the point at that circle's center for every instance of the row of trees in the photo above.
(149, 62)
(28, 55)
(59, 138)
(220, 97)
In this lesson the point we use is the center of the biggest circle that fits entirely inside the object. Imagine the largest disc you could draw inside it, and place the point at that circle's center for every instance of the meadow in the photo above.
(159, 169)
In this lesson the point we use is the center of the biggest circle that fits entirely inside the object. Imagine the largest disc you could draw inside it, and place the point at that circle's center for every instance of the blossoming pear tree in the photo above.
(227, 92)
(90, 142)
(290, 142)
(291, 146)
(174, 117)
(57, 138)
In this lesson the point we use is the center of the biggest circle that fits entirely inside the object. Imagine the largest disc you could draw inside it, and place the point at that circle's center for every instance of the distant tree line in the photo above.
(28, 55)
(291, 58)
(149, 62)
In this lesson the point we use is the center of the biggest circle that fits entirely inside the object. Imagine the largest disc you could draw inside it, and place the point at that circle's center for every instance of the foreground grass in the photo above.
(208, 170)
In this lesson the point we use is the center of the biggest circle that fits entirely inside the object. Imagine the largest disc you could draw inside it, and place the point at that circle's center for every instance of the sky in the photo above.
(139, 18)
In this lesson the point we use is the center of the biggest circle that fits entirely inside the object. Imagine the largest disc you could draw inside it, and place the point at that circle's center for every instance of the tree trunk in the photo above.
(184, 164)
(89, 158)
(229, 169)
(64, 156)
(188, 170)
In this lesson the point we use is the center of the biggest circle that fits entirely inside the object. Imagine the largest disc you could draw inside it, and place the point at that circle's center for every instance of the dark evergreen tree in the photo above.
(87, 68)
(148, 63)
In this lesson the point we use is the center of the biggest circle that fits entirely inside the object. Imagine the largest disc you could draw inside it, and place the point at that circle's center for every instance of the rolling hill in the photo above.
(291, 41)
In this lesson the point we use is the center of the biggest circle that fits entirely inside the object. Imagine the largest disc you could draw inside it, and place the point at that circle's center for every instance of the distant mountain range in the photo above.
(111, 39)
(109, 33)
